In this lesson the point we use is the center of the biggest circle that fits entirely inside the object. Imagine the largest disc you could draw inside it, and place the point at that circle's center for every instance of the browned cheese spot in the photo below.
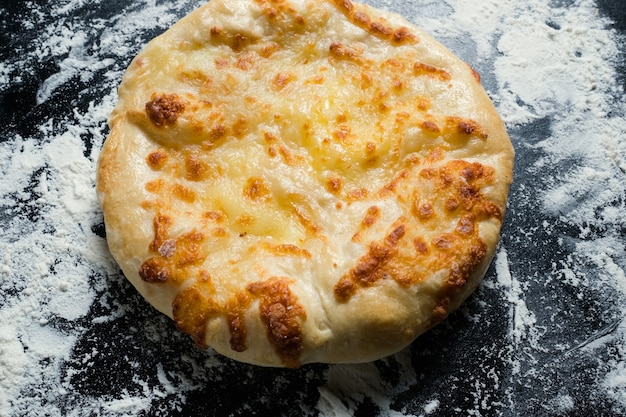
(465, 126)
(423, 103)
(342, 52)
(235, 316)
(192, 309)
(238, 333)
(457, 187)
(372, 215)
(345, 5)
(240, 127)
(435, 155)
(419, 68)
(440, 311)
(303, 214)
(281, 313)
(452, 203)
(217, 132)
(361, 19)
(375, 265)
(256, 190)
(161, 225)
(196, 169)
(380, 28)
(334, 185)
(357, 194)
(219, 232)
(271, 140)
(430, 126)
(214, 216)
(197, 79)
(475, 73)
(367, 79)
(289, 157)
(220, 63)
(444, 241)
(317, 79)
(155, 186)
(398, 85)
(245, 220)
(281, 80)
(457, 278)
(236, 41)
(183, 193)
(268, 49)
(288, 250)
(246, 61)
(342, 132)
(167, 248)
(173, 257)
(157, 159)
(464, 180)
(282, 14)
(392, 186)
(492, 210)
(403, 35)
(269, 137)
(189, 250)
(452, 190)
(425, 211)
(421, 247)
(412, 160)
(154, 272)
(164, 109)
(466, 225)
(461, 271)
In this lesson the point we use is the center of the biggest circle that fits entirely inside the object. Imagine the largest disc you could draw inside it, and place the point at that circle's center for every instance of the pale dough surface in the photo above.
(302, 181)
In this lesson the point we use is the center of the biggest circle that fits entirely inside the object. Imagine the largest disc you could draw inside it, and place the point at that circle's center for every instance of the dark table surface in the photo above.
(543, 336)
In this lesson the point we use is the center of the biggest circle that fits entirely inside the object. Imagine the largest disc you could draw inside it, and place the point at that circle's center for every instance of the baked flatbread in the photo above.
(302, 181)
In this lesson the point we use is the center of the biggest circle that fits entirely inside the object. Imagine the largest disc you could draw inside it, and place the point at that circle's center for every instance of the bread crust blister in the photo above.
(302, 181)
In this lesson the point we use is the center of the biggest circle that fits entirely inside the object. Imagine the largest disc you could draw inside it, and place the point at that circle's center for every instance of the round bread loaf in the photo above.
(298, 181)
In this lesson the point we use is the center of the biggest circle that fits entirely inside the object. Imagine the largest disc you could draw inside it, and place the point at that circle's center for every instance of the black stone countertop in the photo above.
(543, 336)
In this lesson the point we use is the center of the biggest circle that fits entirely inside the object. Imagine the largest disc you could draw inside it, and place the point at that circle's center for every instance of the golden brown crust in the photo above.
(302, 181)
(281, 314)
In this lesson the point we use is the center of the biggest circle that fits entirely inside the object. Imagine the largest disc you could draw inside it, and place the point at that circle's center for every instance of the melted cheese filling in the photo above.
(275, 134)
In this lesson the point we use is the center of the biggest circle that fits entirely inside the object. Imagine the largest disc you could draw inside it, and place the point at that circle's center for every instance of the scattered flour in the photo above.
(347, 386)
(431, 406)
(522, 319)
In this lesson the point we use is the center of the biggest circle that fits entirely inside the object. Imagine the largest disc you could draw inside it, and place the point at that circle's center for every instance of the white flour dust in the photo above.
(546, 64)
